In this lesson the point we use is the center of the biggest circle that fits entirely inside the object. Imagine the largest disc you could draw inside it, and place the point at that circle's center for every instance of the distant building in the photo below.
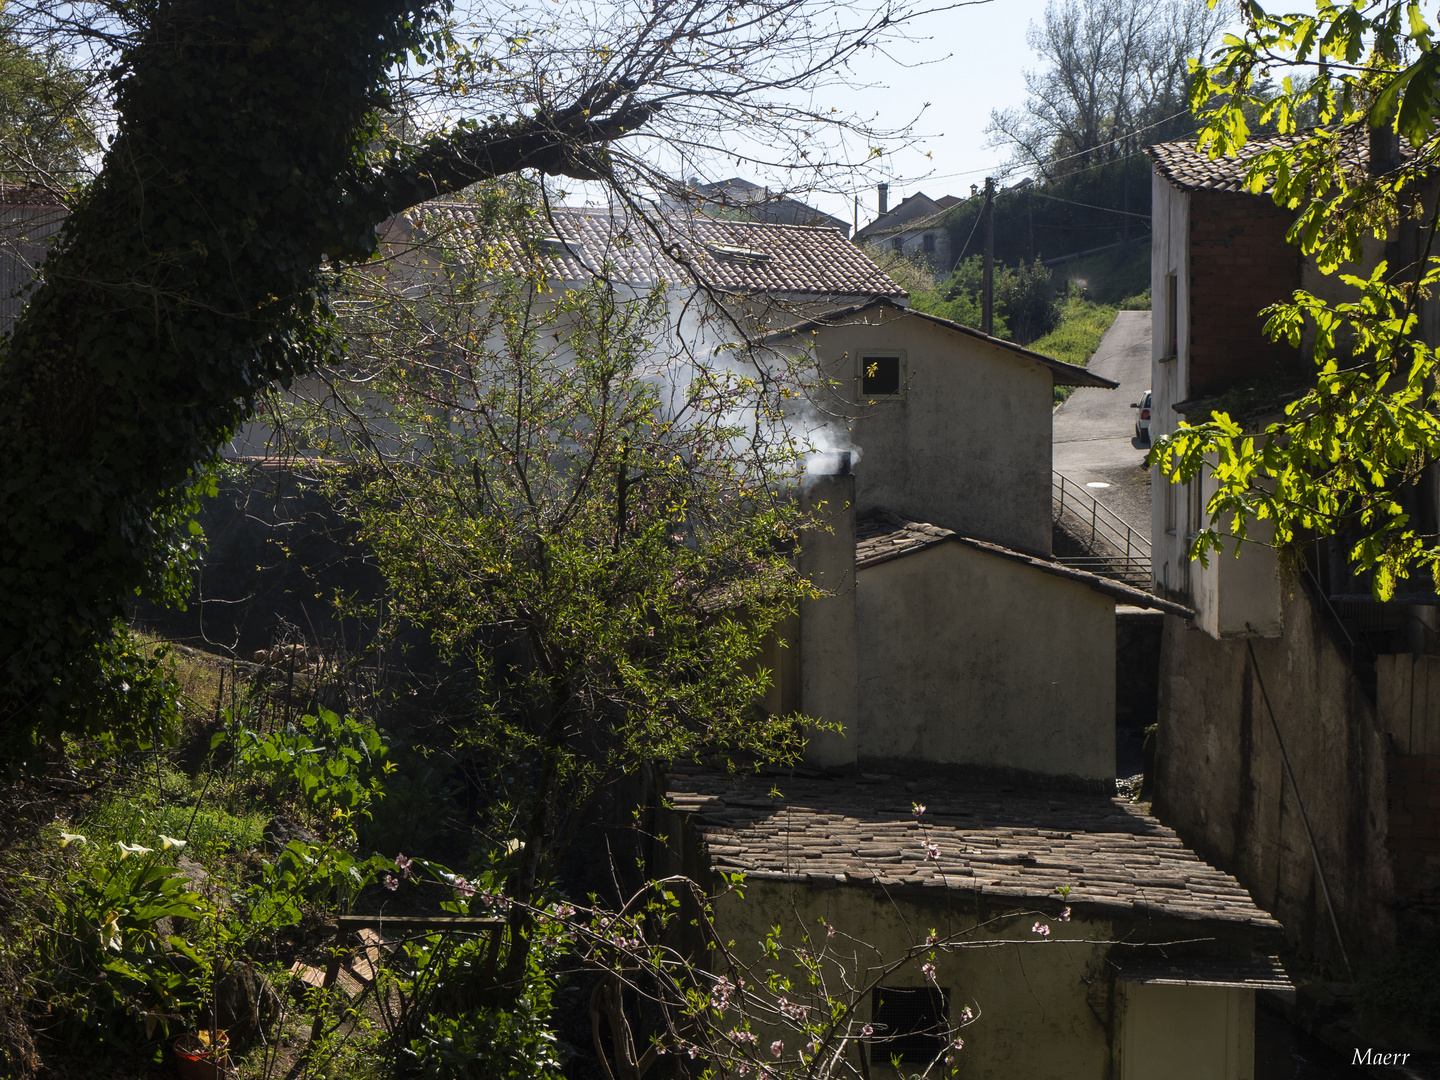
(913, 229)
(741, 200)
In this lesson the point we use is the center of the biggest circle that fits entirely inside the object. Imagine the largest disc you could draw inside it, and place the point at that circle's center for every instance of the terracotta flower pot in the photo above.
(195, 1059)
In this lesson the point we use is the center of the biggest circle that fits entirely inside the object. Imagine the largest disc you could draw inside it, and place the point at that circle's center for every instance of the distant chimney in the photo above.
(1384, 149)
(883, 190)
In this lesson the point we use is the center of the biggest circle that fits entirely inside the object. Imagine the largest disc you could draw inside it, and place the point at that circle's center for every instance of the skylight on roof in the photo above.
(739, 254)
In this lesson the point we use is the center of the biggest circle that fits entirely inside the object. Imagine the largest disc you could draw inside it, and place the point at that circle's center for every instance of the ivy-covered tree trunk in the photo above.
(188, 277)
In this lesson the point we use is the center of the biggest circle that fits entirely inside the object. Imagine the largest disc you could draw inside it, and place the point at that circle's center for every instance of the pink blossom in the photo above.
(966, 1015)
(1065, 915)
(932, 850)
(931, 939)
(830, 930)
(919, 809)
(777, 1048)
(867, 1030)
(958, 1044)
(1040, 928)
(929, 970)
(463, 887)
(742, 1068)
(403, 864)
(391, 882)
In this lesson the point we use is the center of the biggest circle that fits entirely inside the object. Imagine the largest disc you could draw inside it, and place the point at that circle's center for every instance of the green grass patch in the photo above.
(1082, 325)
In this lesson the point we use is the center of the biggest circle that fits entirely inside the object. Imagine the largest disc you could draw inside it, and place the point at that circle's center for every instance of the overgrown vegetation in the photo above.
(1023, 308)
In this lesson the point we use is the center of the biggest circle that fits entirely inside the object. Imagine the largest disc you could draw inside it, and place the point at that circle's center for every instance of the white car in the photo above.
(1142, 418)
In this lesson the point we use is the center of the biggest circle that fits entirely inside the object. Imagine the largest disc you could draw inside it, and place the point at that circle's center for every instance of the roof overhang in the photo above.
(1063, 374)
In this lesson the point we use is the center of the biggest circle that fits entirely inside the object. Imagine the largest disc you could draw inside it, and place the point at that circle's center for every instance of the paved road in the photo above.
(1094, 431)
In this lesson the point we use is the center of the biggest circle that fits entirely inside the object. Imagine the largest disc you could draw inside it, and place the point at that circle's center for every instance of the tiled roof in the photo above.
(881, 536)
(1185, 167)
(28, 195)
(736, 257)
(915, 224)
(1065, 374)
(1018, 847)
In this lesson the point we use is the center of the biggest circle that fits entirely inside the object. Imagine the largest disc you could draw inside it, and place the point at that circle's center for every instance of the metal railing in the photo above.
(1117, 549)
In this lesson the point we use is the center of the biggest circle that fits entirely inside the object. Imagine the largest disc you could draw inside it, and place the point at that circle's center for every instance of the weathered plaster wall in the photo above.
(827, 622)
(1221, 783)
(965, 446)
(1169, 257)
(969, 658)
(1034, 1017)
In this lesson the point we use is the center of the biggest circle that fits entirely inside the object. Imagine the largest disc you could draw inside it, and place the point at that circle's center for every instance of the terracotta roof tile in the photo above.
(1187, 168)
(738, 257)
(1113, 857)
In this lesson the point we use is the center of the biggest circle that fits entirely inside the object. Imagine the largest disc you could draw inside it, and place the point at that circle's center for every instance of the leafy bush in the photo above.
(332, 762)
(1023, 309)
(110, 960)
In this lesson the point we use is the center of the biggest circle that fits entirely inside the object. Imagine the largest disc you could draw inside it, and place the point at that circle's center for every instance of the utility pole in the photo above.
(987, 288)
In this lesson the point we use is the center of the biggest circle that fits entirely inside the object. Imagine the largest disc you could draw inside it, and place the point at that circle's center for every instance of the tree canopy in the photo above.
(1110, 71)
(255, 150)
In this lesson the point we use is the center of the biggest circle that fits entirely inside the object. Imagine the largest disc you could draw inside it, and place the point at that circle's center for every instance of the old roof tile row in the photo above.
(1008, 844)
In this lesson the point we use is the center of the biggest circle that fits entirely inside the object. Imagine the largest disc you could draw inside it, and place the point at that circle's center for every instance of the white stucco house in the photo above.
(1295, 746)
(968, 670)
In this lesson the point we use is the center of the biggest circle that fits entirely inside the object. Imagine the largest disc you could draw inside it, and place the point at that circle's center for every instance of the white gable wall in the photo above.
(968, 658)
(965, 445)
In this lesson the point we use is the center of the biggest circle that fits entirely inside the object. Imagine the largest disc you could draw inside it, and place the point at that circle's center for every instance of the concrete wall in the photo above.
(966, 445)
(1030, 997)
(1184, 1032)
(828, 622)
(1220, 780)
(25, 235)
(968, 658)
(1043, 1007)
(1169, 257)
(1238, 593)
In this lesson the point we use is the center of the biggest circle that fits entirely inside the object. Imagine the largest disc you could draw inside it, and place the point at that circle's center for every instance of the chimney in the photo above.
(1384, 149)
(883, 190)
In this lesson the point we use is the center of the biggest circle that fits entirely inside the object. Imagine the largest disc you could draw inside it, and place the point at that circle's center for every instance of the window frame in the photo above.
(865, 355)
(1170, 313)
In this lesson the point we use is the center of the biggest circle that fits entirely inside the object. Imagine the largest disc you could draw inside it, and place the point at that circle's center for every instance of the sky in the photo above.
(966, 63)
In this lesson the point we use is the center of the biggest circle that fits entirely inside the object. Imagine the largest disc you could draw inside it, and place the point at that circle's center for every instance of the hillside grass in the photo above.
(1107, 277)
(1082, 324)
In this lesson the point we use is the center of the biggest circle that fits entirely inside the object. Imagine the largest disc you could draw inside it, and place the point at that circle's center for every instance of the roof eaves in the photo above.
(1068, 374)
(926, 536)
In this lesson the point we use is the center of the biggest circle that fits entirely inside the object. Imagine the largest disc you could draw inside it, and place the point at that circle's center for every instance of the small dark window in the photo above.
(929, 243)
(1172, 316)
(897, 244)
(911, 1024)
(879, 375)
